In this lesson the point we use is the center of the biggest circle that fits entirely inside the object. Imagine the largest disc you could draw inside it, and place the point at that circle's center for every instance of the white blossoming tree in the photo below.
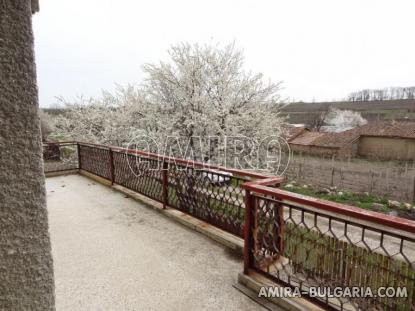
(113, 119)
(344, 119)
(202, 92)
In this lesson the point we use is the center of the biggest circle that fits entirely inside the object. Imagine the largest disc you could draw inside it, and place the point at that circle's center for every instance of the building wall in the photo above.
(387, 148)
(347, 151)
(300, 148)
(26, 270)
(314, 150)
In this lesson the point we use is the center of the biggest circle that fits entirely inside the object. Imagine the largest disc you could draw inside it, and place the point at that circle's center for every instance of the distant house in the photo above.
(320, 143)
(382, 140)
(388, 140)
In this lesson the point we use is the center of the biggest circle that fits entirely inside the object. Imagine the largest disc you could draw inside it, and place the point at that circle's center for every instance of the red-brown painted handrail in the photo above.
(341, 209)
(266, 185)
(182, 161)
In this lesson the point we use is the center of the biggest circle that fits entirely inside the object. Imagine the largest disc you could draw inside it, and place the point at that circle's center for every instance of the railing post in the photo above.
(79, 156)
(165, 183)
(279, 215)
(248, 239)
(278, 231)
(112, 166)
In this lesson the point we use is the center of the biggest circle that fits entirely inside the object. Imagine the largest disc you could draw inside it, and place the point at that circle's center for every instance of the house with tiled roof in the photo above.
(314, 143)
(375, 140)
(387, 140)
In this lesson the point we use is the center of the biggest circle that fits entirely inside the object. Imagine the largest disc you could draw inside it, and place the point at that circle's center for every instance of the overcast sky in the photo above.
(320, 49)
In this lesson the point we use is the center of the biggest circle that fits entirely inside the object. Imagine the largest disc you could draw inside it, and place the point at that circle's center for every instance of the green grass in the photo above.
(350, 198)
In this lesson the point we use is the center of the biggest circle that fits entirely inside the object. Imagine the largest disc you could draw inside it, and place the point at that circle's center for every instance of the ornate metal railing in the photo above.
(60, 156)
(207, 192)
(294, 240)
(304, 243)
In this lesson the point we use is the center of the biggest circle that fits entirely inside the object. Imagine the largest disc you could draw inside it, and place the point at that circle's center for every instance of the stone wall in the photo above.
(26, 270)
(392, 180)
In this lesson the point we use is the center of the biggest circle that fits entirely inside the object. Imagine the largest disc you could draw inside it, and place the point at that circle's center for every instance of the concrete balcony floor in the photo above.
(112, 253)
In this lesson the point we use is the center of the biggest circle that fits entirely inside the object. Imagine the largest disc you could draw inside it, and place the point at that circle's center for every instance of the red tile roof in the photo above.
(402, 129)
(307, 138)
(293, 132)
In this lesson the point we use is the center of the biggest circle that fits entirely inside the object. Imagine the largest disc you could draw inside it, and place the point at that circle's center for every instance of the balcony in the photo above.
(109, 250)
(112, 253)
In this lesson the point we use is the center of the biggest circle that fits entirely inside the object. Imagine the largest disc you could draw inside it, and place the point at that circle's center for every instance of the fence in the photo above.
(291, 239)
(392, 180)
(303, 242)
(207, 192)
(61, 156)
